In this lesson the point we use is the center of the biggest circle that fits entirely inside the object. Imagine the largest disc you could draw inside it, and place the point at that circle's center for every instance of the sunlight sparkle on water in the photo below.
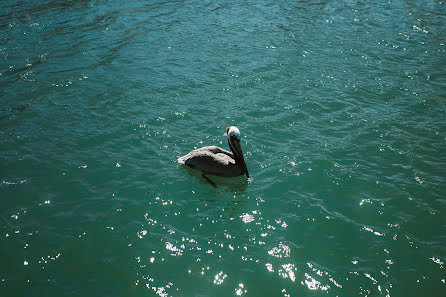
(240, 290)
(219, 278)
(171, 247)
(280, 251)
(269, 267)
(247, 218)
(287, 270)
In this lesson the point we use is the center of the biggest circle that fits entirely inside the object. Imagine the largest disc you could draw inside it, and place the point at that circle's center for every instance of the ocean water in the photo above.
(341, 106)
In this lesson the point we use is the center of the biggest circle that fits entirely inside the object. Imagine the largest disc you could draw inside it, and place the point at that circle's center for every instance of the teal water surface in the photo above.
(341, 106)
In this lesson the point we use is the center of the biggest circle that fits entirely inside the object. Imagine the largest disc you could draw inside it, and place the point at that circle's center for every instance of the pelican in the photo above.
(214, 160)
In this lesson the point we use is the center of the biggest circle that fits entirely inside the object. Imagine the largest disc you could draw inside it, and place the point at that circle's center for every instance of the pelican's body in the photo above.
(217, 161)
(212, 160)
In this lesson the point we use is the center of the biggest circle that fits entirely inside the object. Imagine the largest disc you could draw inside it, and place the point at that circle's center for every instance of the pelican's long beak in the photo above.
(234, 143)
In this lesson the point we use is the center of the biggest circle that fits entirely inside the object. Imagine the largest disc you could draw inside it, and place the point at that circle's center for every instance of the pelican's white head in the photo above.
(232, 131)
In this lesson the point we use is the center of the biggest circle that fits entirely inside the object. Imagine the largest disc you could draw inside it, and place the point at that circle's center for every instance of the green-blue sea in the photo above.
(341, 107)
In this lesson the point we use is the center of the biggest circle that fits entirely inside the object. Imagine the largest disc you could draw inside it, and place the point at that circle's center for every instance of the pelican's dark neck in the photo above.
(237, 158)
(232, 150)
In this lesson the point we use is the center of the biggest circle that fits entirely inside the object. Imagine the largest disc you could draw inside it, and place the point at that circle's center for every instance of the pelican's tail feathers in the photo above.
(181, 160)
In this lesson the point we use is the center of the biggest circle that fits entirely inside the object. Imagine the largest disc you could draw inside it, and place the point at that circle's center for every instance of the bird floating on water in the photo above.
(214, 160)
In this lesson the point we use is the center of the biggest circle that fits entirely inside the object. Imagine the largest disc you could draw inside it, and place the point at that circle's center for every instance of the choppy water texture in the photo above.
(341, 106)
